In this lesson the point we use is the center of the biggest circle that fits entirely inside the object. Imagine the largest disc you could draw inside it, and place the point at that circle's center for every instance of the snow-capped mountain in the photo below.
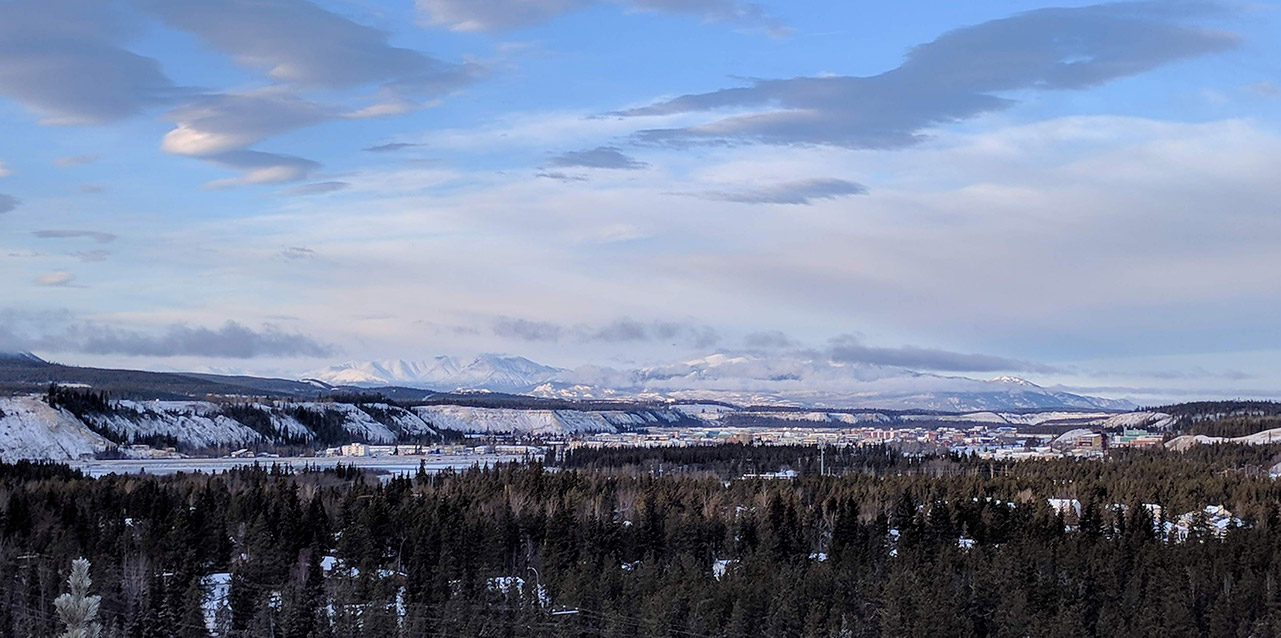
(804, 381)
(485, 372)
(20, 356)
(740, 379)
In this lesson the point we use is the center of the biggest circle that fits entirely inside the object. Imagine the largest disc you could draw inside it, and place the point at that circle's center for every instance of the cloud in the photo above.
(92, 189)
(526, 330)
(599, 157)
(76, 160)
(798, 192)
(487, 15)
(261, 168)
(217, 124)
(63, 59)
(629, 330)
(96, 235)
(219, 129)
(318, 188)
(769, 340)
(4, 170)
(232, 341)
(57, 278)
(1264, 88)
(958, 76)
(623, 330)
(296, 253)
(562, 177)
(732, 12)
(8, 203)
(850, 349)
(391, 146)
(301, 44)
(91, 255)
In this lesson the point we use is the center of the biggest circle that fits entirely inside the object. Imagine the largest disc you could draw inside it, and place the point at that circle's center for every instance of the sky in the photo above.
(1084, 195)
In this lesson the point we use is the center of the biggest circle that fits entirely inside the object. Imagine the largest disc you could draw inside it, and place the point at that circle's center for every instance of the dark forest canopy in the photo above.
(883, 550)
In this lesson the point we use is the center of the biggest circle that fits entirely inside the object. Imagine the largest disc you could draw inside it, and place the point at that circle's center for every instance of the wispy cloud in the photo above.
(851, 349)
(261, 168)
(296, 253)
(77, 160)
(392, 146)
(769, 340)
(526, 330)
(622, 330)
(64, 60)
(230, 341)
(8, 203)
(57, 278)
(561, 176)
(318, 188)
(798, 192)
(91, 255)
(96, 235)
(301, 44)
(599, 157)
(486, 15)
(962, 74)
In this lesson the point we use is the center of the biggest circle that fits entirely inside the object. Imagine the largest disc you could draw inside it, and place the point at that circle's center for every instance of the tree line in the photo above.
(882, 548)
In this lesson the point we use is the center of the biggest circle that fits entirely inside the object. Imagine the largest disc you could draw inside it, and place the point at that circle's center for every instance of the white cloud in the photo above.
(261, 168)
(55, 279)
(487, 15)
(1077, 226)
(226, 122)
(962, 74)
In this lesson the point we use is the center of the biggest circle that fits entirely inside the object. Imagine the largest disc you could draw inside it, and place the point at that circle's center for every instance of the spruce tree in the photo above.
(77, 609)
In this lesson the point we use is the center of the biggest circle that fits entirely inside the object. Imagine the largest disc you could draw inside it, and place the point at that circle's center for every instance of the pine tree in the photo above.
(77, 609)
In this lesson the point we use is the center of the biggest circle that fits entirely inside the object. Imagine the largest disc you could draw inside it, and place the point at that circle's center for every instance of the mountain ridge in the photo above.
(736, 378)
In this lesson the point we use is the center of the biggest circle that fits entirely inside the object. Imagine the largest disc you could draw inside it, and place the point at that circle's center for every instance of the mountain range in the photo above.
(740, 379)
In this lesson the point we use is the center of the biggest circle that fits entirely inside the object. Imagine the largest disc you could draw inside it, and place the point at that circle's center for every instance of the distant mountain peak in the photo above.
(488, 371)
(21, 356)
(1015, 381)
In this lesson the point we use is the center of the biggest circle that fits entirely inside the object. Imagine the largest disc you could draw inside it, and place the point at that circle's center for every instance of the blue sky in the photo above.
(1082, 194)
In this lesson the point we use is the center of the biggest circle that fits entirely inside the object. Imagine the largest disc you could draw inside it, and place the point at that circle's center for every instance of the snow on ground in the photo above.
(216, 588)
(515, 585)
(356, 421)
(197, 424)
(406, 421)
(1186, 441)
(720, 566)
(508, 420)
(30, 429)
(1140, 420)
(703, 410)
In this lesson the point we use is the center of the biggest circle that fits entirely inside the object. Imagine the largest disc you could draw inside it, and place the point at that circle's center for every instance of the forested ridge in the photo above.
(930, 546)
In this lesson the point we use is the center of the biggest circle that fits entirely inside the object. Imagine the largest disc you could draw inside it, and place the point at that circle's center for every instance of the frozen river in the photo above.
(389, 464)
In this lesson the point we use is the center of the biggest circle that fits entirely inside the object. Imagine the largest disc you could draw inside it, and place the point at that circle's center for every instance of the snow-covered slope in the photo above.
(548, 422)
(1140, 420)
(20, 356)
(195, 424)
(30, 429)
(1266, 437)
